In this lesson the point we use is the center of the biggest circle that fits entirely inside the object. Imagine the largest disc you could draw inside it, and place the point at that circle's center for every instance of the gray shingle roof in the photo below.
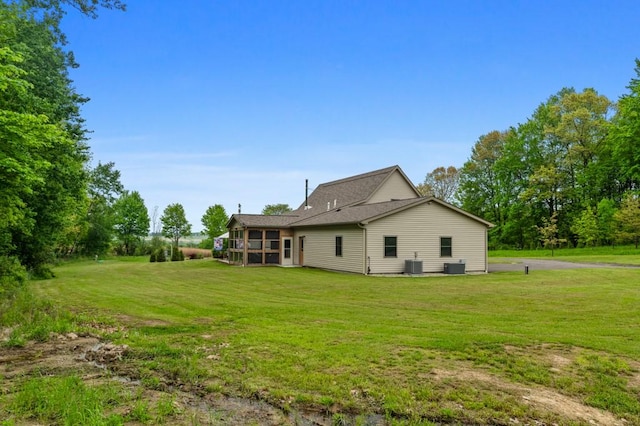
(363, 213)
(357, 214)
(262, 221)
(347, 191)
(350, 194)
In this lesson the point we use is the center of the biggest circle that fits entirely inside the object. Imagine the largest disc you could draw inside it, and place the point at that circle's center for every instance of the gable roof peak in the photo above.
(347, 191)
(384, 171)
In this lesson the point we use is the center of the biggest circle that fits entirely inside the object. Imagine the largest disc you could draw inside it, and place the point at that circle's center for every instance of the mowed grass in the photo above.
(309, 339)
(614, 255)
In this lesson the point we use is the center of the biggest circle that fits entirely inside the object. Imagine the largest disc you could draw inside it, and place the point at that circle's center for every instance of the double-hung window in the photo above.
(446, 248)
(390, 246)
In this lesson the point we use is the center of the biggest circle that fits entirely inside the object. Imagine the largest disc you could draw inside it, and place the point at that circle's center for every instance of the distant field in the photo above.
(191, 240)
(479, 349)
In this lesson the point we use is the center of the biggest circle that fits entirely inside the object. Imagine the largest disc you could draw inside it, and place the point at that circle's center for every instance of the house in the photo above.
(372, 223)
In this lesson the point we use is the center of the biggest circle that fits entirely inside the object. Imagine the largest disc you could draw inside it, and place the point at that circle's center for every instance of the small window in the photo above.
(255, 235)
(272, 235)
(390, 246)
(255, 244)
(445, 247)
(273, 245)
(338, 245)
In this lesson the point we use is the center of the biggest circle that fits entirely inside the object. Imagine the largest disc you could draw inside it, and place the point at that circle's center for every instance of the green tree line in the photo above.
(575, 163)
(49, 198)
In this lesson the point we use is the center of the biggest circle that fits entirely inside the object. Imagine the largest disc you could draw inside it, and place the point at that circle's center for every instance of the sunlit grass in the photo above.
(67, 400)
(304, 337)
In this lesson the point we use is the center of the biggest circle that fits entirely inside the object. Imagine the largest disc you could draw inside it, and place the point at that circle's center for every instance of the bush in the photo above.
(158, 255)
(161, 255)
(12, 276)
(176, 254)
(42, 272)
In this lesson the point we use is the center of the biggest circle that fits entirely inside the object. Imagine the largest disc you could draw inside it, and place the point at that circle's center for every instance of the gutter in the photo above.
(366, 267)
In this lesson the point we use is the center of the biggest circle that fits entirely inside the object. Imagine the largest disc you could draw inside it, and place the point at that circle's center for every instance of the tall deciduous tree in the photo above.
(554, 164)
(87, 7)
(441, 183)
(43, 148)
(479, 185)
(43, 152)
(131, 220)
(174, 223)
(215, 221)
(104, 188)
(276, 209)
(625, 134)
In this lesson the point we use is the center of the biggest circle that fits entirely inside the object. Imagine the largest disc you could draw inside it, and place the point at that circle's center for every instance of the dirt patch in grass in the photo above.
(540, 398)
(89, 358)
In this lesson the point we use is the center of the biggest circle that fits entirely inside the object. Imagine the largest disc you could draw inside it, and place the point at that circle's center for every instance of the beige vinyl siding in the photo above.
(419, 230)
(395, 187)
(320, 248)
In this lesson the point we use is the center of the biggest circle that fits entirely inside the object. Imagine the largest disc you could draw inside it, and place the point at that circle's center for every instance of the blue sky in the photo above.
(204, 102)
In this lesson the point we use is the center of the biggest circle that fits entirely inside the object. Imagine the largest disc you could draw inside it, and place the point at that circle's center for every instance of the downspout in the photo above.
(486, 251)
(366, 265)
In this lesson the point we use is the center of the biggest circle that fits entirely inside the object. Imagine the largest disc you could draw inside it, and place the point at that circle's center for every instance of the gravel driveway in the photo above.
(513, 264)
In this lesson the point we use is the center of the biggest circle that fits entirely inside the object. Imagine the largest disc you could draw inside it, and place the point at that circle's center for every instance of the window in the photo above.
(255, 244)
(445, 247)
(255, 235)
(236, 239)
(338, 245)
(272, 235)
(390, 246)
(287, 248)
(255, 240)
(273, 245)
(255, 258)
(272, 240)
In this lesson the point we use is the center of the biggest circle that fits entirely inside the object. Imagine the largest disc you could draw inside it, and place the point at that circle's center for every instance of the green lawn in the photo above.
(620, 255)
(351, 345)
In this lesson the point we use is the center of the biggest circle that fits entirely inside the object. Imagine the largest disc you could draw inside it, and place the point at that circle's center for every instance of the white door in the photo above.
(287, 252)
